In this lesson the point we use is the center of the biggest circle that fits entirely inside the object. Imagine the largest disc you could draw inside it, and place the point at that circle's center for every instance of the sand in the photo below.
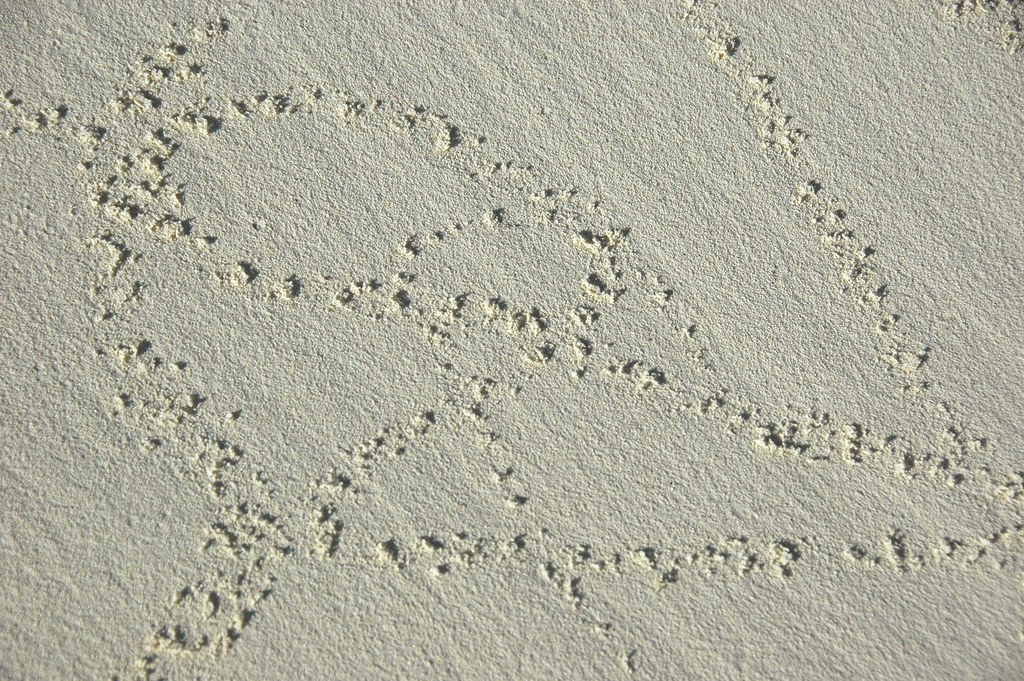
(529, 341)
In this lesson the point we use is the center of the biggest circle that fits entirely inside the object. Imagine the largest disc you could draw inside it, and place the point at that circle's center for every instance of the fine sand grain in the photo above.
(526, 341)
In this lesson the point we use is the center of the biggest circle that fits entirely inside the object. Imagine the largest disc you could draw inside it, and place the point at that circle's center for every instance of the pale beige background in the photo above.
(913, 124)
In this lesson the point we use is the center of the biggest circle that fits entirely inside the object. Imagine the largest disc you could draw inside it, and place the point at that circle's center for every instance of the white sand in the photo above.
(512, 342)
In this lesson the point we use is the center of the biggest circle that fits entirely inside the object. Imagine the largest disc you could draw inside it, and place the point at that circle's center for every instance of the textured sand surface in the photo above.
(445, 340)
